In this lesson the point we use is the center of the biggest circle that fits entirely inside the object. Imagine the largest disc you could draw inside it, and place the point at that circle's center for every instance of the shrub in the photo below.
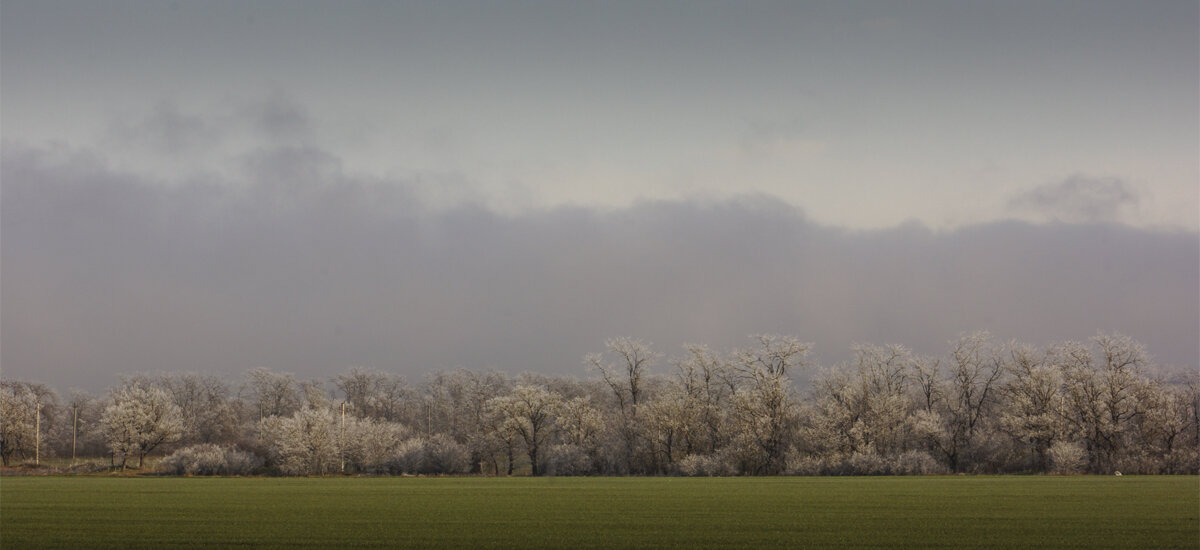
(368, 444)
(444, 455)
(865, 464)
(1182, 461)
(705, 465)
(805, 465)
(918, 463)
(302, 444)
(87, 467)
(1066, 457)
(566, 460)
(210, 460)
(408, 458)
(437, 454)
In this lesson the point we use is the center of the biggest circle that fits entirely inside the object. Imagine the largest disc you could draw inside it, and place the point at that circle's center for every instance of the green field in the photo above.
(951, 512)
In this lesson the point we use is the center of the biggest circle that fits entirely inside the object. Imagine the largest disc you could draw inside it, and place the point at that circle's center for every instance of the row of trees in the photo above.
(982, 407)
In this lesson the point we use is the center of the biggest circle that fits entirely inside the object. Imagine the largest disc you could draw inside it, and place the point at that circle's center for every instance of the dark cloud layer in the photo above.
(1078, 199)
(166, 130)
(308, 270)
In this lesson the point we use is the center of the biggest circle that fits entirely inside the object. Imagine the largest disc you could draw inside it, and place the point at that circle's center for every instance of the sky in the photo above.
(307, 186)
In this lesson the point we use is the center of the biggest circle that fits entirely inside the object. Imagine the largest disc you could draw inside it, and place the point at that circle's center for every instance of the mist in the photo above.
(300, 267)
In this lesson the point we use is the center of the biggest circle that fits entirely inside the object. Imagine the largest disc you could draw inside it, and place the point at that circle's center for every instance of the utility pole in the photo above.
(37, 435)
(342, 438)
(74, 429)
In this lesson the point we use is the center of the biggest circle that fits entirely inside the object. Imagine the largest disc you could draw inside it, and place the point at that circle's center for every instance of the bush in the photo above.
(1066, 457)
(408, 458)
(87, 467)
(865, 464)
(1182, 461)
(1139, 463)
(438, 454)
(302, 444)
(566, 460)
(705, 465)
(806, 465)
(918, 463)
(444, 455)
(210, 460)
(368, 444)
(856, 464)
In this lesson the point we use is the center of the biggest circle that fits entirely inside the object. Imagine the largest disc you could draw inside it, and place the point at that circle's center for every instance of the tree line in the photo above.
(982, 407)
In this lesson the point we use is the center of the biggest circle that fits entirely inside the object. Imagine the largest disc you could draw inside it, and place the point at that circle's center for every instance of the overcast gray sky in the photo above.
(306, 186)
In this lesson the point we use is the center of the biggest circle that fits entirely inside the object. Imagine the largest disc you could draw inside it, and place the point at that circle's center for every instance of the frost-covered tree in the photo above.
(207, 459)
(436, 454)
(140, 418)
(1101, 395)
(203, 401)
(624, 372)
(968, 397)
(477, 390)
(982, 407)
(18, 405)
(528, 412)
(708, 381)
(863, 416)
(304, 443)
(834, 415)
(272, 393)
(500, 440)
(669, 420)
(375, 394)
(358, 389)
(764, 405)
(1032, 403)
(580, 424)
(624, 375)
(313, 394)
(883, 374)
(367, 444)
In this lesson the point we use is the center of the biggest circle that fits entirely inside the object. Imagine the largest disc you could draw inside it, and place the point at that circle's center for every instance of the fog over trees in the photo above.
(308, 267)
(982, 407)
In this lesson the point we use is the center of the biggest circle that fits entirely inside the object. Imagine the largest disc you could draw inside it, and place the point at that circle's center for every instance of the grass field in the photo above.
(950, 512)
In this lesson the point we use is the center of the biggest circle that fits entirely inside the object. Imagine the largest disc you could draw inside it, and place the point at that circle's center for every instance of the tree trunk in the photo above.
(476, 462)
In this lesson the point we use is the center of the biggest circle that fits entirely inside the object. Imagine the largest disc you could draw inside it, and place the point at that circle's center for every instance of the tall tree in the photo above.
(273, 393)
(1030, 413)
(140, 418)
(624, 374)
(528, 412)
(970, 393)
(20, 405)
(764, 403)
